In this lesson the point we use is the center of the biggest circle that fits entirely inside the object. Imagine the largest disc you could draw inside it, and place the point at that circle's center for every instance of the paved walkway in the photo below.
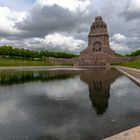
(132, 134)
(134, 74)
(32, 68)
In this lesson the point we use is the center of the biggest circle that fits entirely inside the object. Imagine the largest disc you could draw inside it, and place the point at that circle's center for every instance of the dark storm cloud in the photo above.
(70, 25)
(131, 15)
(132, 10)
(133, 45)
(48, 19)
(122, 18)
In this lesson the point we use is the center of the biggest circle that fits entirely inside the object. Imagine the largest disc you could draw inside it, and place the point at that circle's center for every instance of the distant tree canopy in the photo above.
(119, 55)
(25, 53)
(135, 53)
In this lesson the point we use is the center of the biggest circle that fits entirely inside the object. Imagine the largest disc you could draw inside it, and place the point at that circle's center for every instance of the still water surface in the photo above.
(89, 104)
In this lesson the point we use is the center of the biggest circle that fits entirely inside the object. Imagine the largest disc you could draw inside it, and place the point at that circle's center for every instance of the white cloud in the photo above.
(72, 5)
(120, 47)
(51, 42)
(4, 41)
(67, 43)
(69, 20)
(118, 42)
(132, 10)
(134, 6)
(56, 42)
(123, 44)
(119, 37)
(8, 18)
(21, 5)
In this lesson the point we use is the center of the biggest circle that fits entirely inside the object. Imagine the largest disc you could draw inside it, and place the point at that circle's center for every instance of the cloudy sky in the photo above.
(63, 25)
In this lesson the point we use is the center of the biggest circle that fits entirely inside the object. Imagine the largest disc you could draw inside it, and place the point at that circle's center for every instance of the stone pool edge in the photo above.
(131, 134)
(132, 75)
(134, 133)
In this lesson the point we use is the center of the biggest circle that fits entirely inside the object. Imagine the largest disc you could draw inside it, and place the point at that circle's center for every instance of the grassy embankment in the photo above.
(16, 62)
(134, 64)
(10, 56)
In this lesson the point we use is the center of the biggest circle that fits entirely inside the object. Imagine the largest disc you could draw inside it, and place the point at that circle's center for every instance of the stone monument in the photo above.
(98, 51)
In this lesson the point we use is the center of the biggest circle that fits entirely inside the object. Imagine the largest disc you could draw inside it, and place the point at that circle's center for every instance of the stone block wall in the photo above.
(63, 61)
(116, 60)
(100, 61)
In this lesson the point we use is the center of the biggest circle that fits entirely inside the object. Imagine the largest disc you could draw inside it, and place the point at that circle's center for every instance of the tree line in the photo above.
(31, 54)
(135, 53)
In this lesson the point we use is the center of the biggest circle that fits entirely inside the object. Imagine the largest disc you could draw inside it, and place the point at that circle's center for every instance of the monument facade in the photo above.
(98, 51)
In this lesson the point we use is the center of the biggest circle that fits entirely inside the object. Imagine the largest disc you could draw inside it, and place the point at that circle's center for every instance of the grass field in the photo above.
(14, 62)
(134, 64)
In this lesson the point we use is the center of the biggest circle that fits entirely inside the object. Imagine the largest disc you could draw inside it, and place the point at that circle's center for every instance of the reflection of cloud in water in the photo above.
(10, 112)
(12, 97)
(61, 109)
(62, 131)
(123, 86)
(54, 89)
(65, 88)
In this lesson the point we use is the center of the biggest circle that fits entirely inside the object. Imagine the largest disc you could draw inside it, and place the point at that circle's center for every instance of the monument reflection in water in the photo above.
(67, 104)
(99, 81)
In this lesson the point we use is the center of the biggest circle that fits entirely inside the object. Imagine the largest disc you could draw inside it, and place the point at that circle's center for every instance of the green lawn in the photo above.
(134, 64)
(14, 62)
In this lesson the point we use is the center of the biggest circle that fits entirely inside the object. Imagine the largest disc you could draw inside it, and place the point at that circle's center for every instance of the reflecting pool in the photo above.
(67, 104)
